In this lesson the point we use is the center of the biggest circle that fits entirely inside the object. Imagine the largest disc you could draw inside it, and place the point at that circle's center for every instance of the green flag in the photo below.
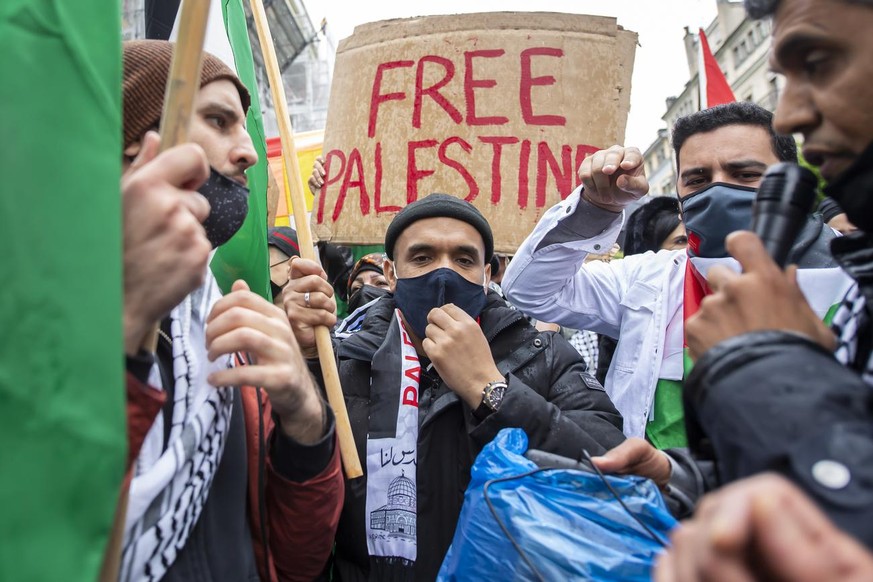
(62, 415)
(245, 256)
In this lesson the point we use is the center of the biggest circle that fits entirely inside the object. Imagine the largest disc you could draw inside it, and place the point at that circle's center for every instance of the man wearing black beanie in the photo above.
(439, 366)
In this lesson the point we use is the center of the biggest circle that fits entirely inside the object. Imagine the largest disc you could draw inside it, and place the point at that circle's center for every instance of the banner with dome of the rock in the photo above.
(496, 108)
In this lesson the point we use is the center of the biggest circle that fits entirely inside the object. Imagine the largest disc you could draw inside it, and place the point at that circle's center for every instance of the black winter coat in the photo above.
(562, 408)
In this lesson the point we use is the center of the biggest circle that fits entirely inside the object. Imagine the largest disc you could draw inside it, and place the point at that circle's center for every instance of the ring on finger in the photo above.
(306, 299)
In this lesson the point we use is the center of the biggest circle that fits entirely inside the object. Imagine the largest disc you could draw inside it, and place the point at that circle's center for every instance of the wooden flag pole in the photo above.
(349, 452)
(184, 81)
(182, 87)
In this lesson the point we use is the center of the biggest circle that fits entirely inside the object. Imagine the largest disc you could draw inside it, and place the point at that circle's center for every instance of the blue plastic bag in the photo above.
(567, 523)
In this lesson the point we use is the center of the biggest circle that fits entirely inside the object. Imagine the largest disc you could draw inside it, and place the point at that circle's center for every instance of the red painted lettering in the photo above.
(434, 90)
(563, 174)
(523, 171)
(354, 165)
(458, 167)
(377, 97)
(328, 180)
(410, 396)
(414, 374)
(377, 191)
(497, 144)
(470, 84)
(413, 173)
(528, 82)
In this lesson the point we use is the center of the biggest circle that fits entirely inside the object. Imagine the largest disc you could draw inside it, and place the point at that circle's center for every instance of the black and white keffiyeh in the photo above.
(586, 343)
(849, 320)
(171, 480)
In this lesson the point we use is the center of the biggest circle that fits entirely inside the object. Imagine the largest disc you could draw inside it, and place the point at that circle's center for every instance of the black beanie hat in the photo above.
(439, 206)
(284, 238)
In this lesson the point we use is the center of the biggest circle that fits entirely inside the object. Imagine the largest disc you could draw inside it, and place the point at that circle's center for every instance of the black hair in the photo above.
(762, 8)
(495, 266)
(649, 225)
(736, 113)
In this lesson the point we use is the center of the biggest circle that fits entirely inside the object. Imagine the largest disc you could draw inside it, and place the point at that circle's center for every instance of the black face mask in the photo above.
(853, 191)
(364, 295)
(230, 205)
(276, 290)
(712, 213)
(416, 296)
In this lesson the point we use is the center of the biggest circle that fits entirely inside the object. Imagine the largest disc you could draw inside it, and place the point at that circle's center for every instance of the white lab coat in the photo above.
(633, 299)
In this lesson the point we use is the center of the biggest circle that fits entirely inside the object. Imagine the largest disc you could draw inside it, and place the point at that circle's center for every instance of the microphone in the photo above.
(785, 197)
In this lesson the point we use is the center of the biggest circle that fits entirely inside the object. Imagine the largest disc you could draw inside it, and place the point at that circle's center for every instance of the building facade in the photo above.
(740, 45)
(305, 54)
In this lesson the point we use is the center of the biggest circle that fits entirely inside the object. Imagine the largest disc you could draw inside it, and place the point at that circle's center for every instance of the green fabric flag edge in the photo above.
(245, 256)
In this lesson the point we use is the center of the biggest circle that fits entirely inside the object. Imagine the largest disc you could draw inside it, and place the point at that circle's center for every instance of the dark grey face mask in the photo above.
(230, 205)
(712, 213)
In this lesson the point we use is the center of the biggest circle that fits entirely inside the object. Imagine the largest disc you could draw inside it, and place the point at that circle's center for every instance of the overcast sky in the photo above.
(660, 69)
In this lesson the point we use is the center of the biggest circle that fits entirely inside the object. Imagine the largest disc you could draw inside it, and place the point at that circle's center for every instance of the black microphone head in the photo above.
(786, 196)
(789, 184)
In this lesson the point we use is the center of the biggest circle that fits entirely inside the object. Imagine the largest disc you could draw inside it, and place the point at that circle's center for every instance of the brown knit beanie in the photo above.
(146, 68)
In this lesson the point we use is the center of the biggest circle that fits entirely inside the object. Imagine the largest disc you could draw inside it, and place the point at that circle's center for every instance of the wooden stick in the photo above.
(182, 87)
(184, 81)
(112, 557)
(349, 452)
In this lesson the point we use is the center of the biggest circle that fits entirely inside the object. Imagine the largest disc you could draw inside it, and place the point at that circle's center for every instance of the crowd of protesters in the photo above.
(744, 391)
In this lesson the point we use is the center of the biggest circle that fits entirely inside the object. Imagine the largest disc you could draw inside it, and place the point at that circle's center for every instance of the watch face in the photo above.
(495, 396)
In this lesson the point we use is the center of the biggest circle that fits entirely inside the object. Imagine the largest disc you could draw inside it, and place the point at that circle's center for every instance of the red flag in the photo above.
(714, 88)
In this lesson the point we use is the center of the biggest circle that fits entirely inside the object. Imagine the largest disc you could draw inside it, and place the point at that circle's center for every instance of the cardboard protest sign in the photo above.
(498, 108)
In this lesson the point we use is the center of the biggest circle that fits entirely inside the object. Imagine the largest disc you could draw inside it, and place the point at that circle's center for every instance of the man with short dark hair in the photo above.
(438, 367)
(642, 300)
(739, 113)
(773, 388)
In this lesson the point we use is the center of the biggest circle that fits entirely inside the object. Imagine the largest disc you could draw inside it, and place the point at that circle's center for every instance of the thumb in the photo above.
(748, 249)
(618, 459)
(239, 285)
(637, 185)
(151, 144)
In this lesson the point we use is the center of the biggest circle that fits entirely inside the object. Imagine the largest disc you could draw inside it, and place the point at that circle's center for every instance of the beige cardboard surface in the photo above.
(496, 108)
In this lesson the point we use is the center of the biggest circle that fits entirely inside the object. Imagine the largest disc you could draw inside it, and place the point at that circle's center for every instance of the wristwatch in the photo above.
(492, 396)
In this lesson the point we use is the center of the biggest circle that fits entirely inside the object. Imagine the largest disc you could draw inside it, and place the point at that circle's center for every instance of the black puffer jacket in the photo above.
(561, 407)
